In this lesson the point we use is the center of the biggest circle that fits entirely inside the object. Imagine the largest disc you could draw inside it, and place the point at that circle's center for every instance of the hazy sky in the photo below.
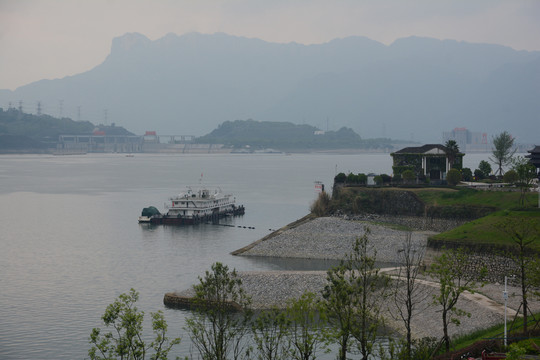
(47, 39)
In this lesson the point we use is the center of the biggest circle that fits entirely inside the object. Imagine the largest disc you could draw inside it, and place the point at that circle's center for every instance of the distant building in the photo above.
(534, 158)
(430, 161)
(467, 140)
(371, 179)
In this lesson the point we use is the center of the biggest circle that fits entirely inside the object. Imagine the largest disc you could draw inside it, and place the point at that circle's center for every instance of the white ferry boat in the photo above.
(195, 205)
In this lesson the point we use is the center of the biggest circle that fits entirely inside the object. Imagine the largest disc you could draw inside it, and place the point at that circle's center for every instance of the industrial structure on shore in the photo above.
(150, 142)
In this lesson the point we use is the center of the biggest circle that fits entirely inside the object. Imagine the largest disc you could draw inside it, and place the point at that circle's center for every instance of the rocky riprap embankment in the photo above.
(269, 289)
(275, 288)
(333, 238)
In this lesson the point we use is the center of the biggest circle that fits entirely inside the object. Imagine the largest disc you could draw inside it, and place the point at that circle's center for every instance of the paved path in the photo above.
(476, 297)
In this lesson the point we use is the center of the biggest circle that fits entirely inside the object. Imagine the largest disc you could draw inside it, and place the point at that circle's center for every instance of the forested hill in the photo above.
(286, 136)
(26, 132)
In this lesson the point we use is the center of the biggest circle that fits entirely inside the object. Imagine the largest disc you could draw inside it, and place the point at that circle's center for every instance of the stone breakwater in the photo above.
(275, 288)
(333, 238)
(267, 289)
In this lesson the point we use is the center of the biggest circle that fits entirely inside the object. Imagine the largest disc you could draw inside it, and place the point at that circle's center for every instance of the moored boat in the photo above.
(193, 206)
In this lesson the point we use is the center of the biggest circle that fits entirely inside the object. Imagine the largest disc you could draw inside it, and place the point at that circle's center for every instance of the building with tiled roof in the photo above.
(431, 161)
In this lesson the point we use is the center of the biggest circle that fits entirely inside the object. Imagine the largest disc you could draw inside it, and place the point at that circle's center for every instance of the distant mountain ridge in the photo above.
(415, 88)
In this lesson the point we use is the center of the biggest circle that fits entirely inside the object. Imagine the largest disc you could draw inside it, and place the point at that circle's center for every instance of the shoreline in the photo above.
(332, 238)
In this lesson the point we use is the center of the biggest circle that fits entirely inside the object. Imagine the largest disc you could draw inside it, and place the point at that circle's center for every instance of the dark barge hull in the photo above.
(182, 220)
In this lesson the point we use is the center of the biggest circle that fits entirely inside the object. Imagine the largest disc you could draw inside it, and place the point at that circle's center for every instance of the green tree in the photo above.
(454, 277)
(478, 175)
(452, 151)
(524, 233)
(362, 178)
(340, 301)
(126, 339)
(340, 178)
(270, 334)
(370, 288)
(352, 178)
(526, 174)
(510, 176)
(408, 293)
(215, 328)
(502, 152)
(307, 324)
(453, 177)
(466, 174)
(485, 168)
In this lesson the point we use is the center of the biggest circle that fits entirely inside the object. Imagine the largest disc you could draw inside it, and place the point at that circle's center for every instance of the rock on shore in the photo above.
(333, 238)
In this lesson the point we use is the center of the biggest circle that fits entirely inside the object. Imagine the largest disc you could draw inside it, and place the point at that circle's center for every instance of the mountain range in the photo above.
(413, 89)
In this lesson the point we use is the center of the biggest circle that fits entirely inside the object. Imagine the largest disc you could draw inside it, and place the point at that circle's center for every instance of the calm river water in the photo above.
(70, 242)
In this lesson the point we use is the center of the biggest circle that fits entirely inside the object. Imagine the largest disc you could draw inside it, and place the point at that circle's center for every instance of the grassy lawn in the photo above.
(502, 207)
(487, 230)
(444, 196)
(497, 199)
(494, 332)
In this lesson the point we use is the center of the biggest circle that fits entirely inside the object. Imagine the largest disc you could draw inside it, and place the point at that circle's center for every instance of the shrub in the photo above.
(515, 352)
(386, 179)
(340, 178)
(485, 168)
(453, 177)
(362, 179)
(466, 174)
(408, 176)
(478, 174)
(510, 177)
(321, 204)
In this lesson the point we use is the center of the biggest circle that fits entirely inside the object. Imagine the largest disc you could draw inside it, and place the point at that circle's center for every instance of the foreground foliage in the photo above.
(450, 270)
(408, 294)
(271, 335)
(126, 339)
(215, 327)
(352, 299)
(525, 236)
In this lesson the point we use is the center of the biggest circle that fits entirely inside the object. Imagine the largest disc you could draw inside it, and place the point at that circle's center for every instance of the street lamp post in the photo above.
(505, 296)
